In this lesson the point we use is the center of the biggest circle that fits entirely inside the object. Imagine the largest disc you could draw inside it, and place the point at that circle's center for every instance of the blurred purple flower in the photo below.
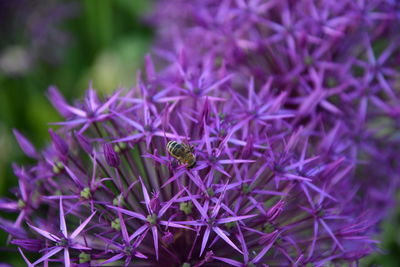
(39, 26)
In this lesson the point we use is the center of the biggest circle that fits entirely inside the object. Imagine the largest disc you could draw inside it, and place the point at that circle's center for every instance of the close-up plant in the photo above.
(256, 133)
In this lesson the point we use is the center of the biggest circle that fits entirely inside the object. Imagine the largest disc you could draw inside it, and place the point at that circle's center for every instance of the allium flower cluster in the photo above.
(336, 61)
(262, 190)
(279, 149)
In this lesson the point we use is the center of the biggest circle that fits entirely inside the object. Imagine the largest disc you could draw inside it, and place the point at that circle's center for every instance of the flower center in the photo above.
(152, 219)
(21, 204)
(211, 221)
(128, 250)
(63, 242)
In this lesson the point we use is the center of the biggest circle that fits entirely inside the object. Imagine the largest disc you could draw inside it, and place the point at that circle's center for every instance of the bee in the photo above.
(183, 153)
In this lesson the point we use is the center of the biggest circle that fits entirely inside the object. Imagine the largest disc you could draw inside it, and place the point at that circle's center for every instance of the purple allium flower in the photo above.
(261, 190)
(283, 104)
(63, 241)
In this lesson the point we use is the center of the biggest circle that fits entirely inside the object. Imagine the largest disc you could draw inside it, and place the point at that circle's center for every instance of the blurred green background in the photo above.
(68, 44)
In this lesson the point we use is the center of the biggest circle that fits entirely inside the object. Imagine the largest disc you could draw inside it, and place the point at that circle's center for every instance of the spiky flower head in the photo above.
(262, 190)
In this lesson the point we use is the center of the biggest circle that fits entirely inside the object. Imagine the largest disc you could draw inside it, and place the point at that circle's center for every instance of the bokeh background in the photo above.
(69, 44)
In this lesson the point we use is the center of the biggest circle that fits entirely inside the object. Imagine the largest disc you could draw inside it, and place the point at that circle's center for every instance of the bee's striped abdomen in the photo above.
(182, 152)
(170, 144)
(173, 147)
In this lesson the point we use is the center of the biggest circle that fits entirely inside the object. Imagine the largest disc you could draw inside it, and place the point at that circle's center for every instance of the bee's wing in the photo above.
(186, 149)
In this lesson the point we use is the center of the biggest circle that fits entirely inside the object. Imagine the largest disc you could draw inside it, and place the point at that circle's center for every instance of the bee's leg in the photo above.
(191, 149)
(175, 162)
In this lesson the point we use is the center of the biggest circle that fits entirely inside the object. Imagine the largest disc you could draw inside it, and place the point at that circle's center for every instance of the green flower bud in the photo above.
(119, 201)
(83, 257)
(21, 204)
(210, 192)
(58, 167)
(85, 193)
(116, 224)
(152, 219)
(186, 207)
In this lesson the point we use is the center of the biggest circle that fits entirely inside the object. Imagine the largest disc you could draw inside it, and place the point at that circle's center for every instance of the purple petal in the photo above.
(91, 98)
(70, 123)
(234, 219)
(217, 206)
(63, 226)
(265, 249)
(174, 224)
(229, 261)
(140, 255)
(169, 203)
(169, 135)
(243, 244)
(45, 233)
(78, 230)
(59, 144)
(73, 176)
(123, 228)
(136, 125)
(109, 102)
(205, 239)
(174, 177)
(50, 253)
(25, 145)
(217, 84)
(25, 259)
(114, 258)
(22, 189)
(155, 239)
(128, 212)
(328, 229)
(314, 240)
(268, 192)
(80, 247)
(219, 232)
(146, 197)
(67, 260)
(323, 193)
(194, 223)
(202, 211)
(8, 205)
(84, 142)
(58, 101)
(291, 176)
(140, 230)
(235, 161)
(129, 138)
